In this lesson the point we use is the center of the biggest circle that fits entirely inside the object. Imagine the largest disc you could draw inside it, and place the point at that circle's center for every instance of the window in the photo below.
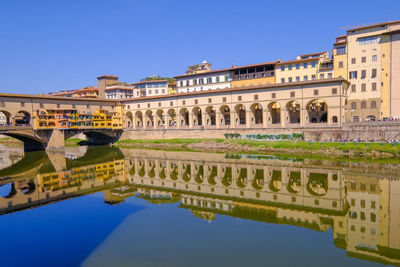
(353, 105)
(58, 105)
(209, 80)
(163, 91)
(329, 75)
(292, 94)
(138, 105)
(373, 217)
(297, 66)
(353, 74)
(372, 188)
(368, 40)
(373, 74)
(282, 80)
(201, 81)
(255, 97)
(334, 91)
(41, 105)
(373, 204)
(340, 64)
(156, 91)
(159, 104)
(313, 77)
(289, 67)
(373, 86)
(305, 65)
(341, 50)
(195, 82)
(353, 202)
(171, 104)
(373, 104)
(363, 87)
(183, 102)
(196, 101)
(150, 92)
(209, 100)
(273, 95)
(148, 105)
(353, 60)
(298, 79)
(187, 83)
(363, 74)
(226, 78)
(224, 99)
(22, 104)
(353, 88)
(374, 58)
(217, 79)
(305, 78)
(283, 68)
(362, 202)
(316, 92)
(322, 76)
(240, 98)
(290, 79)
(313, 64)
(181, 83)
(363, 59)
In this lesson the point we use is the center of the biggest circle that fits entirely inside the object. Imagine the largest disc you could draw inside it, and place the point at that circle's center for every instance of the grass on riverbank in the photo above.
(251, 146)
(73, 141)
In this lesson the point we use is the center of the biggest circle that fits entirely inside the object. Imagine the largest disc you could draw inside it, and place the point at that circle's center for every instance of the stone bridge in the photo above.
(53, 139)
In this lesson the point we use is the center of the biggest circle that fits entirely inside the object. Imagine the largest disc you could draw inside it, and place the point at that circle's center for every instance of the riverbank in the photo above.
(296, 148)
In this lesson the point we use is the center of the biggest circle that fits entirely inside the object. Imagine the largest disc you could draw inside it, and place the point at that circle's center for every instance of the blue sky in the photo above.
(51, 45)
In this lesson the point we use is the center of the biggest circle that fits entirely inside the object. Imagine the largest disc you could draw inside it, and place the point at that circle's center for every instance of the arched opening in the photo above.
(225, 115)
(184, 117)
(293, 109)
(5, 118)
(371, 118)
(258, 180)
(275, 110)
(160, 118)
(241, 114)
(227, 178)
(294, 184)
(129, 119)
(334, 119)
(139, 119)
(149, 118)
(257, 111)
(242, 178)
(22, 118)
(317, 111)
(276, 181)
(200, 175)
(317, 184)
(171, 118)
(197, 116)
(211, 116)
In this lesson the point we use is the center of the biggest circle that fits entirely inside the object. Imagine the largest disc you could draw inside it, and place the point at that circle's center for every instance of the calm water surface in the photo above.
(104, 206)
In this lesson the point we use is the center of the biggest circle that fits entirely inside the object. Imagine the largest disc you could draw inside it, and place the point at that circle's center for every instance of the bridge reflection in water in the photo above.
(361, 207)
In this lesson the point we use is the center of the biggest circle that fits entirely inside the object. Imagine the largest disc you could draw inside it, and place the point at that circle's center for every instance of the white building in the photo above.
(201, 78)
(119, 92)
(151, 88)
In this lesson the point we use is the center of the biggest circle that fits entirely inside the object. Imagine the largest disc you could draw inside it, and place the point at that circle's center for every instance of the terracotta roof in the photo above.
(151, 81)
(313, 54)
(244, 88)
(108, 76)
(374, 25)
(54, 97)
(228, 69)
(298, 60)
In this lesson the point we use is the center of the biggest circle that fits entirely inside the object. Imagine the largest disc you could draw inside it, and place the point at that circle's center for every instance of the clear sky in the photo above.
(52, 45)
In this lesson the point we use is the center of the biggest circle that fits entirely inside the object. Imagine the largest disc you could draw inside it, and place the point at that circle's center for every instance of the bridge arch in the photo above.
(184, 117)
(129, 118)
(5, 118)
(257, 113)
(22, 118)
(293, 108)
(317, 111)
(211, 116)
(240, 110)
(197, 116)
(275, 111)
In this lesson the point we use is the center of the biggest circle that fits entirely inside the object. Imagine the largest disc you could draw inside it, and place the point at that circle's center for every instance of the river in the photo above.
(106, 206)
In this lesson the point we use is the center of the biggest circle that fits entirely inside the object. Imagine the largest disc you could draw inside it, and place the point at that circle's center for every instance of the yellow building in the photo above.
(172, 87)
(368, 58)
(252, 75)
(317, 66)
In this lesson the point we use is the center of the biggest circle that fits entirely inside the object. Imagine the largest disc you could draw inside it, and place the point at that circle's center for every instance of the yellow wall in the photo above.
(340, 72)
(385, 77)
(253, 82)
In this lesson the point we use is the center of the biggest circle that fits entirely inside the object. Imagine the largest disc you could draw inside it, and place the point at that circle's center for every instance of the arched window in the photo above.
(334, 119)
(373, 104)
(353, 105)
(363, 104)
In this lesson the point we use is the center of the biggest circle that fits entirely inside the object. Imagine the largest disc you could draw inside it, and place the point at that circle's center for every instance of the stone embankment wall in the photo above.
(371, 131)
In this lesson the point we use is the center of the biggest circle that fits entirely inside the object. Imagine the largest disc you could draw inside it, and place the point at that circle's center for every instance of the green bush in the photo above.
(294, 136)
(232, 135)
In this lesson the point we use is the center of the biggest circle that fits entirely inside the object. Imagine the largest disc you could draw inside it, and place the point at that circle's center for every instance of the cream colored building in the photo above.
(369, 58)
(306, 67)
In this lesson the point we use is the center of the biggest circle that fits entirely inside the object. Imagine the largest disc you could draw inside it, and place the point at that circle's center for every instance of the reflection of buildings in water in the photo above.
(363, 211)
(46, 188)
(10, 156)
(75, 152)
